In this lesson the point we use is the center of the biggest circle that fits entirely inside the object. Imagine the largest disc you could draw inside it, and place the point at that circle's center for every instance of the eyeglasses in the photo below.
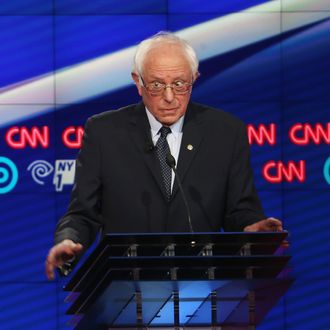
(157, 88)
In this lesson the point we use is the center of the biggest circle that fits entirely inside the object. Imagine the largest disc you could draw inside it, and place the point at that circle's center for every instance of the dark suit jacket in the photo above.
(118, 185)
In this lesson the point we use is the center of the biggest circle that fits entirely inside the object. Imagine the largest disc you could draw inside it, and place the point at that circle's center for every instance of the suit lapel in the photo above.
(190, 144)
(139, 131)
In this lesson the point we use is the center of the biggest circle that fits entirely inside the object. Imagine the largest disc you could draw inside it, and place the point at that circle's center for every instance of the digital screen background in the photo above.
(267, 62)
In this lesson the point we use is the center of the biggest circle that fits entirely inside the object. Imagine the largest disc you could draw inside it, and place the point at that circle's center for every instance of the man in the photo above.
(123, 183)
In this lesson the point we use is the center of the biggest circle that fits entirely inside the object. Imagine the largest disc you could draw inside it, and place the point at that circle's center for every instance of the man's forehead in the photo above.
(171, 74)
(166, 66)
(166, 56)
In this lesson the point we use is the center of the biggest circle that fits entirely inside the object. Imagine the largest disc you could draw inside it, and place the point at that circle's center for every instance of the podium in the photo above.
(221, 281)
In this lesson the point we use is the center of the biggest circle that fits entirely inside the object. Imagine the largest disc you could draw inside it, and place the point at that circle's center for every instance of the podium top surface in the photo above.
(183, 250)
(221, 238)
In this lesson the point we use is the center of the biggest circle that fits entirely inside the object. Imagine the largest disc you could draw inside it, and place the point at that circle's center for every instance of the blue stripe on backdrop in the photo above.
(235, 57)
(256, 78)
(306, 62)
(69, 7)
(27, 225)
(308, 305)
(219, 7)
(80, 38)
(26, 47)
(275, 320)
(272, 202)
(28, 306)
(26, 7)
(100, 7)
(308, 212)
(308, 300)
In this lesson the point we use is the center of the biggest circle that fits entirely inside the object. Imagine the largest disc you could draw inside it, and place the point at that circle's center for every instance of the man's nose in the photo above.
(168, 94)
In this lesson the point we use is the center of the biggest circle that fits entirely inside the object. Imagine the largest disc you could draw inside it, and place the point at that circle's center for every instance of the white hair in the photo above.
(161, 38)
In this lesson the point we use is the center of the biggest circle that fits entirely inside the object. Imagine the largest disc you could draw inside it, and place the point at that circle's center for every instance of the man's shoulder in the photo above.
(113, 115)
(215, 115)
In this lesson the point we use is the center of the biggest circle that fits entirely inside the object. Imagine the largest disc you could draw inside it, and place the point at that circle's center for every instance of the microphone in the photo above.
(170, 161)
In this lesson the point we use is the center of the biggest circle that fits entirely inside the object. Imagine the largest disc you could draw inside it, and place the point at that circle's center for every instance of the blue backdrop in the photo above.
(61, 61)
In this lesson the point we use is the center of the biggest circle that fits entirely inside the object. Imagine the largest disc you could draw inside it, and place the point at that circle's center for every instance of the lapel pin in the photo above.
(190, 147)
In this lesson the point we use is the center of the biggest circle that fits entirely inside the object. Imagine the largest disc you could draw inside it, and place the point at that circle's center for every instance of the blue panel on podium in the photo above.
(153, 297)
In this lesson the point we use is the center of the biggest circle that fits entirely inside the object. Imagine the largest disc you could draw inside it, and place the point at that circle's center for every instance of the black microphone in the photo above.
(170, 161)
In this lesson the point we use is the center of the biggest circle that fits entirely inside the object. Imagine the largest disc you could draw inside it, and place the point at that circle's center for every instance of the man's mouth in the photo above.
(170, 109)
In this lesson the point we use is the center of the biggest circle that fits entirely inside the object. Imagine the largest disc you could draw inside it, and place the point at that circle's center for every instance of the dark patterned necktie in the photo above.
(163, 150)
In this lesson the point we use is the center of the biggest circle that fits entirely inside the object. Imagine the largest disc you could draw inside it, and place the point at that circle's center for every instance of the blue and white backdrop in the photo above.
(61, 61)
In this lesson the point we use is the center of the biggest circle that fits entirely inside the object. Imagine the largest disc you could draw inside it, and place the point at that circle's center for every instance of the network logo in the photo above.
(326, 170)
(8, 175)
(64, 171)
(40, 169)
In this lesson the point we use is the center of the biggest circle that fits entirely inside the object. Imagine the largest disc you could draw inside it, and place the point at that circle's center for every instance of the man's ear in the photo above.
(135, 77)
(196, 75)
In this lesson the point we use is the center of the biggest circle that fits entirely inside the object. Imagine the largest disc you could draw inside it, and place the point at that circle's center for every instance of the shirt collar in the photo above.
(155, 125)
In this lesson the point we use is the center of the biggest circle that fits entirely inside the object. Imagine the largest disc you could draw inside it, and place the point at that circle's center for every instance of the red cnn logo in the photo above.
(303, 134)
(72, 137)
(276, 172)
(21, 137)
(262, 134)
